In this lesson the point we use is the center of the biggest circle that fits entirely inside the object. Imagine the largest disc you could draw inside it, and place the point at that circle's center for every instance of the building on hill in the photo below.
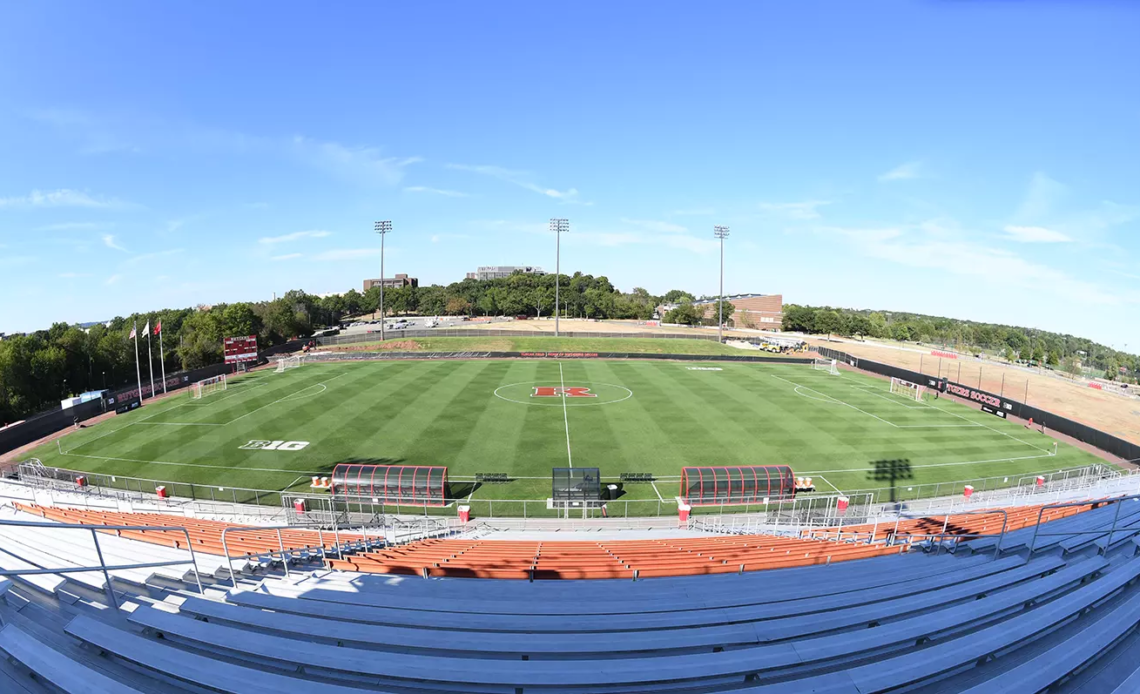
(400, 280)
(755, 311)
(494, 272)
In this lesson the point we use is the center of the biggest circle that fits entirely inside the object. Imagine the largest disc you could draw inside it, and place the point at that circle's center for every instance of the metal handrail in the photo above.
(94, 530)
(1088, 502)
(946, 523)
(280, 544)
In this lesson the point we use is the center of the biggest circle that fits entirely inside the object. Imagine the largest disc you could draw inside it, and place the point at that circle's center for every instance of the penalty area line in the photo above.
(201, 465)
(565, 416)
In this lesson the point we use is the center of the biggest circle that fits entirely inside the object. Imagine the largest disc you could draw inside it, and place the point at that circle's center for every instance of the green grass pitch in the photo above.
(483, 416)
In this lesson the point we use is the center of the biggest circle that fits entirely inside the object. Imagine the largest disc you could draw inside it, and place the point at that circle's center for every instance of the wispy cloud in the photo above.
(808, 209)
(361, 165)
(63, 197)
(287, 256)
(1023, 234)
(522, 179)
(437, 191)
(113, 279)
(657, 226)
(73, 275)
(14, 260)
(693, 212)
(902, 172)
(75, 226)
(914, 247)
(347, 254)
(110, 242)
(1042, 197)
(295, 236)
(147, 257)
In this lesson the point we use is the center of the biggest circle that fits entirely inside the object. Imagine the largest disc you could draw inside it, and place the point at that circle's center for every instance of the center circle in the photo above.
(557, 394)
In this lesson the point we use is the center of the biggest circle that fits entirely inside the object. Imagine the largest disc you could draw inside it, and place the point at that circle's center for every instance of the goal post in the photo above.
(289, 363)
(828, 365)
(906, 389)
(207, 386)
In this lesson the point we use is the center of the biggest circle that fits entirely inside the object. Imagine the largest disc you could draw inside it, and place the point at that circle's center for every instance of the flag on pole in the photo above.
(134, 331)
(158, 328)
(146, 328)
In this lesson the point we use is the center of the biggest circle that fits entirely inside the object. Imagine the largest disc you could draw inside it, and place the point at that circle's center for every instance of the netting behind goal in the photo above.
(828, 365)
(205, 387)
(290, 363)
(908, 390)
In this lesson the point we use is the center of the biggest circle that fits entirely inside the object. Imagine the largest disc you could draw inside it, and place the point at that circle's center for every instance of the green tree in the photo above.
(684, 314)
(677, 296)
(826, 322)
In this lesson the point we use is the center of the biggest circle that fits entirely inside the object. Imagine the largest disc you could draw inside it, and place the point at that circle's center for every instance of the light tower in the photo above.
(721, 232)
(559, 227)
(382, 228)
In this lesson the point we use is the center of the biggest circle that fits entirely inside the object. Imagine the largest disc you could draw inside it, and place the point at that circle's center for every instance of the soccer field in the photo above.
(511, 417)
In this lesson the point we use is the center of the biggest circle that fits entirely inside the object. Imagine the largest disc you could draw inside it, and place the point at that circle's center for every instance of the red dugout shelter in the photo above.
(391, 484)
(708, 486)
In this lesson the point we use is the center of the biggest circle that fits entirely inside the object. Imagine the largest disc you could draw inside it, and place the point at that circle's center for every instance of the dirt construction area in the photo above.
(1050, 391)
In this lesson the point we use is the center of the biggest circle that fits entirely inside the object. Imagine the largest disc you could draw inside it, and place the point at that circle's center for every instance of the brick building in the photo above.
(400, 280)
(756, 311)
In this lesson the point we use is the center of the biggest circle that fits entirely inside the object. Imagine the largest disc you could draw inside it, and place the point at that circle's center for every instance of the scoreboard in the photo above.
(239, 349)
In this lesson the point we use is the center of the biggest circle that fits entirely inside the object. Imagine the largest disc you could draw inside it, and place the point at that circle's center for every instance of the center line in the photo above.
(565, 417)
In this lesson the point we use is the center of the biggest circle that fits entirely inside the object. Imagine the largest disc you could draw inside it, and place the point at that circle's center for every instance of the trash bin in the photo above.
(683, 512)
(299, 505)
(611, 492)
(1040, 480)
(81, 481)
(968, 491)
(841, 504)
(161, 492)
(464, 514)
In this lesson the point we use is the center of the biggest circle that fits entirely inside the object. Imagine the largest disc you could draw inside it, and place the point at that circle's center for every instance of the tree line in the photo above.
(39, 369)
(1014, 344)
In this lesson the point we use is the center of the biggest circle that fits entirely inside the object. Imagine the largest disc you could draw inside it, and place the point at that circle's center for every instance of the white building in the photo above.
(494, 272)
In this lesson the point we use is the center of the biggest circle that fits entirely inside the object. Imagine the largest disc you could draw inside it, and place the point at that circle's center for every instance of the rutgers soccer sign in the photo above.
(562, 391)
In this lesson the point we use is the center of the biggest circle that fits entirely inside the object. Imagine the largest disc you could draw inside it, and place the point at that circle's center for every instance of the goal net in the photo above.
(290, 363)
(201, 389)
(828, 365)
(908, 390)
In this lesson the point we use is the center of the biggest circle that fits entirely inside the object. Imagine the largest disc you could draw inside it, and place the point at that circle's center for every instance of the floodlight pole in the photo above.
(721, 232)
(559, 227)
(382, 228)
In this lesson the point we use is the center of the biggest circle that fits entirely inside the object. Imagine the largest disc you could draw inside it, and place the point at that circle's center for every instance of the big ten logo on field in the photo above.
(559, 391)
(274, 445)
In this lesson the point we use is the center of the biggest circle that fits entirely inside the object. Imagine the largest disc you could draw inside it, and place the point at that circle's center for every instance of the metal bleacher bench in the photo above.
(492, 477)
(636, 477)
(743, 665)
(52, 666)
(199, 670)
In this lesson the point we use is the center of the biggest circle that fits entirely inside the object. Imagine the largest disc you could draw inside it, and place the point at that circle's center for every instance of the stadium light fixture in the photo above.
(559, 227)
(721, 232)
(382, 228)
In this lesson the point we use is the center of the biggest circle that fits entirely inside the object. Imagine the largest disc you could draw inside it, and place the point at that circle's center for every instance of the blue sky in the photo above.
(974, 159)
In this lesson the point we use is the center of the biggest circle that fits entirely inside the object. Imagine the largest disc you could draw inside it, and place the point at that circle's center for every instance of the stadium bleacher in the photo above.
(1060, 617)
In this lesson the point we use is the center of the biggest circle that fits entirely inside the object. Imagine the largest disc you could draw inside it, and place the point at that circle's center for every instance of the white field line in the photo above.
(999, 431)
(837, 401)
(825, 480)
(893, 401)
(211, 401)
(287, 397)
(114, 431)
(202, 465)
(565, 416)
(654, 485)
(968, 462)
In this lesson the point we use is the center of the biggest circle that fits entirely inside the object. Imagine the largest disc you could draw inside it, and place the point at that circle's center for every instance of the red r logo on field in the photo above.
(556, 391)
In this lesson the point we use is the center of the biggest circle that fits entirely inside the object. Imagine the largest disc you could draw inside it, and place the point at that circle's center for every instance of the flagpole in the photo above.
(150, 360)
(162, 358)
(138, 373)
